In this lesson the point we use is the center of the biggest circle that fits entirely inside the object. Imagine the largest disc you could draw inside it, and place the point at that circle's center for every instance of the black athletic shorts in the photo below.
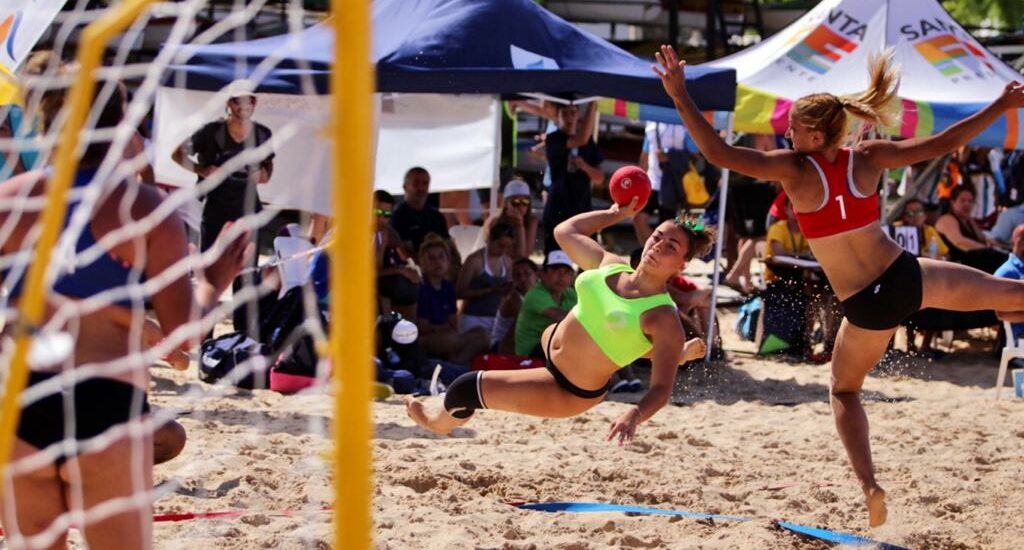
(99, 404)
(885, 303)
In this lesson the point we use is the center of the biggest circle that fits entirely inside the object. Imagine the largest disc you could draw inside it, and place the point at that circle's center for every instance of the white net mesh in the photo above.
(134, 277)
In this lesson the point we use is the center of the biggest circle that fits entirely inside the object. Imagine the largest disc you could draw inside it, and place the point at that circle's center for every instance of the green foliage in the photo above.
(1005, 14)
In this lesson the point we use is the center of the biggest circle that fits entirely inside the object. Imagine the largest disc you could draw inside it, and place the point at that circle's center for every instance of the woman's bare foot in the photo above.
(693, 349)
(437, 420)
(877, 512)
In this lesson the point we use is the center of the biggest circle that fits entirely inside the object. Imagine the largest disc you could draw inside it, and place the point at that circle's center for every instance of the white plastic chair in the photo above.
(465, 238)
(1013, 350)
(294, 270)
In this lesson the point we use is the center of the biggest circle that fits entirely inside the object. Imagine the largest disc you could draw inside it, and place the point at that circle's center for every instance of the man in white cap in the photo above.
(549, 301)
(212, 146)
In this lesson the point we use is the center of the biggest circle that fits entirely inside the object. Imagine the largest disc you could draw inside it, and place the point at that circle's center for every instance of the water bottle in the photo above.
(933, 248)
(571, 166)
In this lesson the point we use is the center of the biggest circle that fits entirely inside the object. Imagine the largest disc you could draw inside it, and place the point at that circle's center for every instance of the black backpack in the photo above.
(287, 337)
(221, 358)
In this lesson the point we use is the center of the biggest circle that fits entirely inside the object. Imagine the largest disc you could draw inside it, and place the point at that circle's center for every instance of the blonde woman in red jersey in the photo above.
(834, 192)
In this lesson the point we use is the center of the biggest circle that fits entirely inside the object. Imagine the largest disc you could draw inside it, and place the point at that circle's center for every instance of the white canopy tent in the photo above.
(946, 73)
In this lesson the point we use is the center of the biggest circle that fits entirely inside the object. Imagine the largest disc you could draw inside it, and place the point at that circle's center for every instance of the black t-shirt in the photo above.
(213, 146)
(570, 192)
(413, 225)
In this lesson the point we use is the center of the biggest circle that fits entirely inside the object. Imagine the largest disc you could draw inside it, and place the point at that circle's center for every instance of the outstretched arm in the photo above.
(573, 235)
(586, 127)
(666, 333)
(778, 165)
(893, 154)
(545, 109)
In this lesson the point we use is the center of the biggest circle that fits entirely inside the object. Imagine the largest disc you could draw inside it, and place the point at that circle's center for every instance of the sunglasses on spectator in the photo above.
(519, 201)
(380, 212)
(915, 211)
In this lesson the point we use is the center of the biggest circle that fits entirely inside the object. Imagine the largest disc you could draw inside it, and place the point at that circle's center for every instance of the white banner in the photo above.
(301, 147)
(22, 22)
(453, 137)
(457, 138)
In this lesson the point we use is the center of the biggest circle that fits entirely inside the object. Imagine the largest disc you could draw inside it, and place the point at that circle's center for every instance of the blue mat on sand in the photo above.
(813, 532)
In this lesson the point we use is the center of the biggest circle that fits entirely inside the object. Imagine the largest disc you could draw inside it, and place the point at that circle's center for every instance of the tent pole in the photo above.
(496, 180)
(723, 195)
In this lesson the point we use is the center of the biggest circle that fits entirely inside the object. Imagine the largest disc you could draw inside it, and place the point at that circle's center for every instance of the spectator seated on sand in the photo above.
(484, 279)
(517, 212)
(397, 282)
(798, 295)
(414, 219)
(436, 309)
(548, 302)
(525, 274)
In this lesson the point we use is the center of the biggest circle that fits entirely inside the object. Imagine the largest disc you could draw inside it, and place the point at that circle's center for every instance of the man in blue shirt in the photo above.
(1013, 268)
(1008, 220)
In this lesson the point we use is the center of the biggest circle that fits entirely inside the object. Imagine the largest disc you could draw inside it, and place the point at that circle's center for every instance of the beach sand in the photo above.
(752, 438)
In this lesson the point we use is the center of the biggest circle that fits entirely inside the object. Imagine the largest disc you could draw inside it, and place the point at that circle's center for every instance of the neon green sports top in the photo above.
(611, 320)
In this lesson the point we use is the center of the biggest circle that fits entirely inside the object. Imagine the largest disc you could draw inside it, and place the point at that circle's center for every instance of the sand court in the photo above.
(754, 438)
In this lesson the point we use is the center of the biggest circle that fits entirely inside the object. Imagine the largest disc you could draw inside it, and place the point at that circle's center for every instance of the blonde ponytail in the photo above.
(878, 105)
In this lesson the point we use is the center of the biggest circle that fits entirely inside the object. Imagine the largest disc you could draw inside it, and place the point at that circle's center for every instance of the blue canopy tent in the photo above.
(500, 47)
(503, 47)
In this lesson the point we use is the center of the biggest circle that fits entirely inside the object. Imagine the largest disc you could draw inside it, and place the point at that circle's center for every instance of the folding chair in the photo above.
(1013, 350)
(294, 270)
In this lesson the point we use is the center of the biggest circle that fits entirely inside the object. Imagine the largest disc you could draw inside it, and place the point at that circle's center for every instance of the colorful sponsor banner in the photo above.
(759, 112)
(951, 56)
(8, 87)
(22, 23)
(654, 113)
(821, 49)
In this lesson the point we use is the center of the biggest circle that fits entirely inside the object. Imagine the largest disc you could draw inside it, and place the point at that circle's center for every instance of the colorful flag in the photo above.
(22, 23)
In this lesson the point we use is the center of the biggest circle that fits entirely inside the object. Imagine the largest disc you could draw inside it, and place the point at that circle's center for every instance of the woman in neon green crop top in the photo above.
(621, 315)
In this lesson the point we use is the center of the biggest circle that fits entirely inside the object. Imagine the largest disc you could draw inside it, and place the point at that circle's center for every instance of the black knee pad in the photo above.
(464, 397)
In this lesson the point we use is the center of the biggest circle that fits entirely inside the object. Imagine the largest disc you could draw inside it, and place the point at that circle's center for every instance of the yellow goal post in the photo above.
(351, 122)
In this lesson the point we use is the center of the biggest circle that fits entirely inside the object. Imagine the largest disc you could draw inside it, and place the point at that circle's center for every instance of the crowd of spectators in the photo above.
(514, 282)
(499, 299)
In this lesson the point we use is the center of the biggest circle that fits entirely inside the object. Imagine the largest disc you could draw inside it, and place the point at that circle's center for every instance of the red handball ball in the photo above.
(628, 182)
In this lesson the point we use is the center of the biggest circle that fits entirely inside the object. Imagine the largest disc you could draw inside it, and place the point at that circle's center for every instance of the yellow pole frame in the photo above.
(94, 41)
(352, 281)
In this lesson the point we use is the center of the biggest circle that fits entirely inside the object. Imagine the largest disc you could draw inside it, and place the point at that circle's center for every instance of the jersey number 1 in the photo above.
(842, 206)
